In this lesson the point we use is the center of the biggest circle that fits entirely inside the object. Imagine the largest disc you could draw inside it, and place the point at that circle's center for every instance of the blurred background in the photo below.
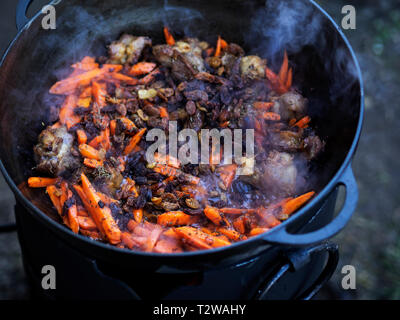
(371, 241)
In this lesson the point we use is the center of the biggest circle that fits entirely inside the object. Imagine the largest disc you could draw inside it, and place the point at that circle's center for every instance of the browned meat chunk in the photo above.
(277, 175)
(53, 152)
(253, 67)
(127, 49)
(280, 173)
(313, 146)
(184, 58)
(288, 141)
(290, 105)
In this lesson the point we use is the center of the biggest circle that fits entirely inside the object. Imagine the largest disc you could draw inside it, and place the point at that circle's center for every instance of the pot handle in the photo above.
(282, 236)
(296, 259)
(20, 17)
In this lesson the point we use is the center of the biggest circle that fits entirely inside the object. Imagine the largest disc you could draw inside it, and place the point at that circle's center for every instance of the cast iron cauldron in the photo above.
(326, 72)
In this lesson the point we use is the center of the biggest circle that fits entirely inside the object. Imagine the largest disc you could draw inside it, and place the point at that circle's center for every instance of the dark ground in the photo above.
(371, 241)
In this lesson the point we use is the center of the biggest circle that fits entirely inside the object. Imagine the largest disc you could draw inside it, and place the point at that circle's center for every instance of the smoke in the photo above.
(280, 25)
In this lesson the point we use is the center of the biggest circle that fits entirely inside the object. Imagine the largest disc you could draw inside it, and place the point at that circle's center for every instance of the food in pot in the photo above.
(93, 161)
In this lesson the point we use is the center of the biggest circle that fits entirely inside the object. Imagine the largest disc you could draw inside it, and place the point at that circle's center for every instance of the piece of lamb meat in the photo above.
(53, 151)
(127, 49)
(253, 67)
(277, 175)
(290, 105)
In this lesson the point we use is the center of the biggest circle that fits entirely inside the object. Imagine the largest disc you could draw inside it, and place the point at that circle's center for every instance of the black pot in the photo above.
(326, 71)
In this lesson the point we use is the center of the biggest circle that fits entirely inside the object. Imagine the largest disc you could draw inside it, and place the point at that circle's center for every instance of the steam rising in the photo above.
(289, 25)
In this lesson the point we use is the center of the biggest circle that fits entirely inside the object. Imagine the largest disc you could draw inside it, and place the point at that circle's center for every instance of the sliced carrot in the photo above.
(142, 68)
(167, 159)
(150, 77)
(272, 116)
(99, 93)
(292, 205)
(73, 215)
(239, 225)
(303, 122)
(134, 141)
(283, 72)
(262, 105)
(289, 80)
(87, 223)
(119, 77)
(101, 215)
(93, 163)
(227, 174)
(67, 115)
(87, 63)
(218, 48)
(64, 194)
(200, 239)
(68, 85)
(89, 152)
(107, 199)
(128, 124)
(96, 141)
(138, 215)
(174, 218)
(52, 192)
(214, 215)
(231, 234)
(236, 210)
(257, 231)
(113, 126)
(168, 37)
(82, 137)
(38, 182)
(164, 112)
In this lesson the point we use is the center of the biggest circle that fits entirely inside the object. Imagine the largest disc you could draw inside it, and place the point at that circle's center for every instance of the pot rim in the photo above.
(58, 227)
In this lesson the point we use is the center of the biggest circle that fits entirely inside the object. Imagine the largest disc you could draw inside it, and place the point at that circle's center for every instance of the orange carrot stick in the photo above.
(113, 126)
(99, 94)
(256, 231)
(174, 218)
(303, 122)
(200, 239)
(218, 48)
(138, 215)
(93, 163)
(67, 115)
(261, 105)
(227, 174)
(283, 73)
(168, 37)
(134, 141)
(52, 192)
(236, 210)
(122, 78)
(213, 214)
(68, 85)
(239, 225)
(87, 223)
(292, 205)
(142, 68)
(150, 77)
(86, 64)
(82, 137)
(164, 112)
(231, 234)
(168, 160)
(272, 116)
(100, 214)
(38, 182)
(89, 152)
